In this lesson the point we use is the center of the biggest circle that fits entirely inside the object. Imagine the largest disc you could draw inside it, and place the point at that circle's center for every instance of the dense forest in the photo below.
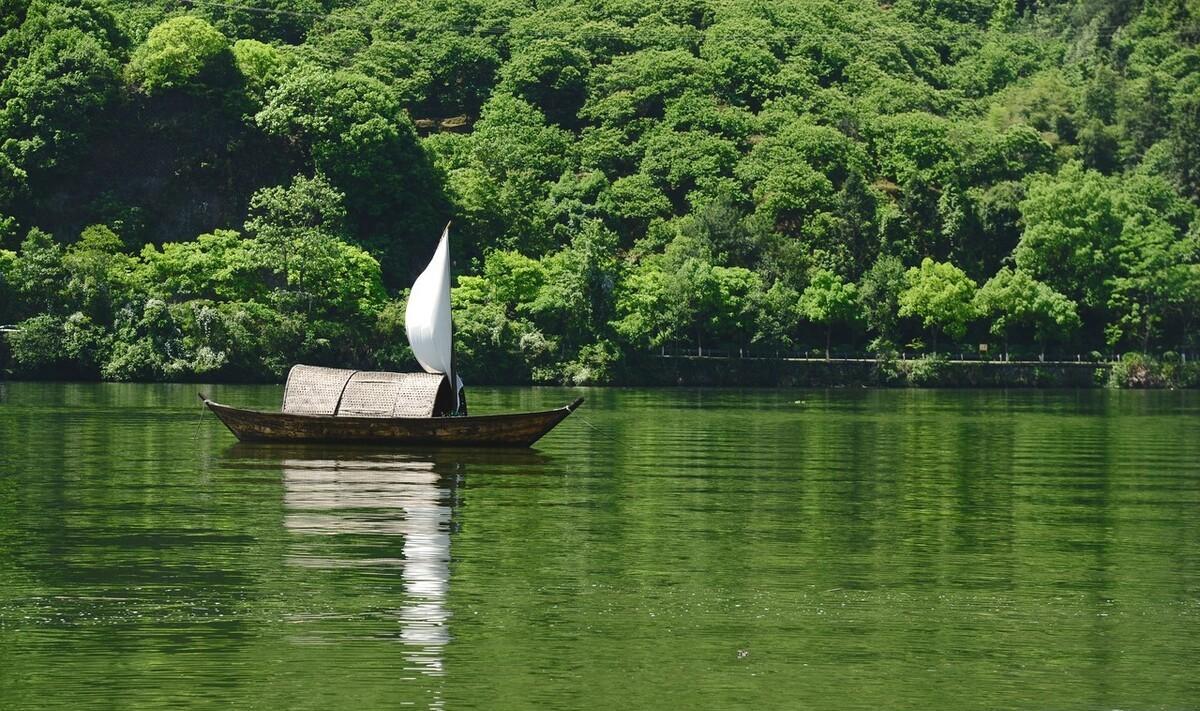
(194, 189)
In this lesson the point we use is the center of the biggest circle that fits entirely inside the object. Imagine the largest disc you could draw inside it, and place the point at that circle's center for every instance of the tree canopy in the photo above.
(200, 189)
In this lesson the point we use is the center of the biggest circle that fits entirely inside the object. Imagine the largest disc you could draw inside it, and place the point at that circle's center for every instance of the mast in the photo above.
(453, 382)
(450, 274)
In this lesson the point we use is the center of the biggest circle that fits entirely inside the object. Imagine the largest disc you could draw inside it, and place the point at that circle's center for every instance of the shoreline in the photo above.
(868, 372)
(754, 372)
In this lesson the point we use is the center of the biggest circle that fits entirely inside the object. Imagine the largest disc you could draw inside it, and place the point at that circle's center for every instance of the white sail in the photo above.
(427, 317)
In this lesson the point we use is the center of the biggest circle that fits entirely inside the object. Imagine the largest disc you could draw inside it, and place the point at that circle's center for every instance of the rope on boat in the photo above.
(196, 432)
(587, 422)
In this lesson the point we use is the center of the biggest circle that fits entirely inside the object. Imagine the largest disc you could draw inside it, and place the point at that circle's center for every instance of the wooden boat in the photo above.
(429, 408)
(520, 429)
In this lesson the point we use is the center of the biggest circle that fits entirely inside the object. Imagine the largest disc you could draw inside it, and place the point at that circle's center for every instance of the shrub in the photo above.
(131, 361)
(37, 345)
(85, 343)
(928, 370)
(593, 366)
(1136, 370)
(46, 345)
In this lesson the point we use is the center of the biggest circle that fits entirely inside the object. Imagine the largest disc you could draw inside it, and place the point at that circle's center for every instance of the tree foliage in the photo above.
(1013, 300)
(828, 301)
(940, 295)
(183, 53)
(203, 189)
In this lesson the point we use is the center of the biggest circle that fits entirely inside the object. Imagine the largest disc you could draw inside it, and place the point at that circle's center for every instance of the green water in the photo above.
(847, 549)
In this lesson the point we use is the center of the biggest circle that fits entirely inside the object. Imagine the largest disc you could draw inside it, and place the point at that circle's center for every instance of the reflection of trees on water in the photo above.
(383, 496)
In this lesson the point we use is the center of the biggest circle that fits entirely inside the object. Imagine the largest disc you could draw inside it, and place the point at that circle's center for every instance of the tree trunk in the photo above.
(828, 337)
(1146, 334)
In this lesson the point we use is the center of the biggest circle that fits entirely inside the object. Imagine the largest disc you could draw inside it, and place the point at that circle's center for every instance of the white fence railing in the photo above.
(962, 356)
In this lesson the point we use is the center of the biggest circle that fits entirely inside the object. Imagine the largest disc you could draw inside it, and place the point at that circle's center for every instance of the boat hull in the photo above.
(520, 429)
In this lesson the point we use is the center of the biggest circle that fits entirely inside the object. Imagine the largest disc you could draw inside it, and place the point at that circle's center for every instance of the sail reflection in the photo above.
(382, 496)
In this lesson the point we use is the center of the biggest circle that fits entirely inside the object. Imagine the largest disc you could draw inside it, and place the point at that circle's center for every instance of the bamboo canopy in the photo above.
(312, 390)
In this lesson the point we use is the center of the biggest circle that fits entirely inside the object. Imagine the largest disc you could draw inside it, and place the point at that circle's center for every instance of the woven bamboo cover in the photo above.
(384, 394)
(312, 390)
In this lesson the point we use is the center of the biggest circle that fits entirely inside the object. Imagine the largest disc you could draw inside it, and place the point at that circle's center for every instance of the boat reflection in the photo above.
(383, 510)
(383, 496)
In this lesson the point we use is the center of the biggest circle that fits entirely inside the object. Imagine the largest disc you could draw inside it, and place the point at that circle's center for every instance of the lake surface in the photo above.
(845, 549)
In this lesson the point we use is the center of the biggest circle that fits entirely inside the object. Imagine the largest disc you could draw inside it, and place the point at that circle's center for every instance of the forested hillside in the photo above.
(217, 190)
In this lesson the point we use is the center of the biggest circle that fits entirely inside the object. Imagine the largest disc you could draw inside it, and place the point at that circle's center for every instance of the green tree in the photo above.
(99, 272)
(355, 133)
(1099, 145)
(1159, 280)
(681, 162)
(646, 316)
(742, 61)
(1143, 112)
(502, 177)
(778, 316)
(31, 22)
(181, 53)
(261, 65)
(38, 276)
(55, 346)
(218, 266)
(679, 294)
(632, 202)
(620, 175)
(51, 105)
(639, 85)
(462, 72)
(1185, 137)
(37, 345)
(1073, 224)
(399, 66)
(493, 332)
(552, 75)
(8, 294)
(1014, 300)
(281, 20)
(739, 292)
(828, 301)
(913, 147)
(301, 230)
(808, 185)
(879, 295)
(941, 296)
(575, 301)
